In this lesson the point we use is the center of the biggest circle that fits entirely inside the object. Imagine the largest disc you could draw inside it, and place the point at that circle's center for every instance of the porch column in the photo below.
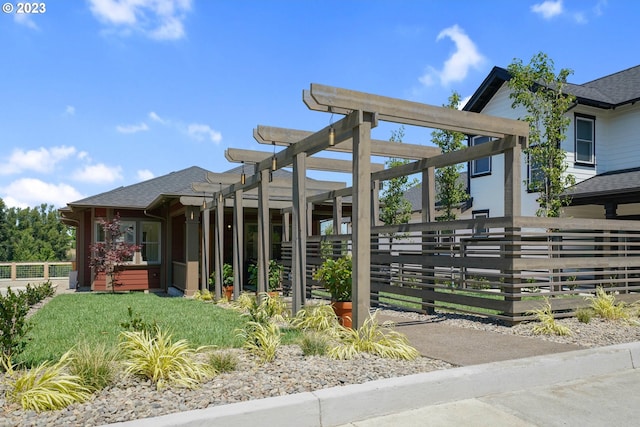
(192, 243)
(219, 249)
(361, 217)
(299, 242)
(264, 234)
(238, 244)
(428, 237)
(204, 274)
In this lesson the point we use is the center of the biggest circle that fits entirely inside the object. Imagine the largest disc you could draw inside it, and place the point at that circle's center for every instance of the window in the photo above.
(585, 139)
(150, 242)
(482, 166)
(149, 238)
(479, 231)
(535, 176)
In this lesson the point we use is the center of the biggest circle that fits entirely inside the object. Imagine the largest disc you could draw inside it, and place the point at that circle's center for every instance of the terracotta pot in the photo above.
(228, 292)
(344, 311)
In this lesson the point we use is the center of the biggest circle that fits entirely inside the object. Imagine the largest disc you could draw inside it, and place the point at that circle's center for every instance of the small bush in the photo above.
(262, 340)
(162, 361)
(137, 324)
(223, 361)
(13, 322)
(314, 344)
(94, 364)
(204, 295)
(35, 294)
(548, 324)
(584, 315)
(604, 305)
(46, 387)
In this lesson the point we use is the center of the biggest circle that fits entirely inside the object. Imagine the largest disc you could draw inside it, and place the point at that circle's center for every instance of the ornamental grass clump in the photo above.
(94, 363)
(316, 317)
(547, 323)
(223, 361)
(604, 306)
(159, 359)
(46, 387)
(373, 338)
(262, 340)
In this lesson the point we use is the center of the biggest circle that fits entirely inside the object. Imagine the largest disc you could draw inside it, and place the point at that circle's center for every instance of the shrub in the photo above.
(94, 364)
(604, 306)
(373, 338)
(137, 324)
(162, 361)
(262, 340)
(204, 295)
(548, 324)
(35, 294)
(335, 276)
(319, 317)
(275, 275)
(46, 387)
(269, 309)
(13, 322)
(223, 361)
(584, 315)
(314, 344)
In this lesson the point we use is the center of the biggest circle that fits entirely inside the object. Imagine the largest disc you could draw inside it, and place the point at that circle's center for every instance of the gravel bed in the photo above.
(130, 398)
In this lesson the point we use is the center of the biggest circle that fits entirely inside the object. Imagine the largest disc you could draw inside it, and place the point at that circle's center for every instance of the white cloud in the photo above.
(30, 192)
(41, 160)
(145, 174)
(25, 19)
(201, 132)
(98, 174)
(548, 9)
(70, 110)
(455, 68)
(156, 118)
(157, 19)
(140, 127)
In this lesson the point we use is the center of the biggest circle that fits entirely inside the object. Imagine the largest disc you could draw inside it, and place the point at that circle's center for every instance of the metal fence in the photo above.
(18, 271)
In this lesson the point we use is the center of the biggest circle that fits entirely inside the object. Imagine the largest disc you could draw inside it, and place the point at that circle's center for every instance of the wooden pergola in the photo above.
(352, 134)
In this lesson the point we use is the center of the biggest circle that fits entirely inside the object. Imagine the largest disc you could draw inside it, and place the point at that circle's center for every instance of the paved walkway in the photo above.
(464, 346)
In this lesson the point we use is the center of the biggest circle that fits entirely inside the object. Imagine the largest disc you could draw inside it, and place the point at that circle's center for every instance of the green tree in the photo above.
(395, 208)
(5, 233)
(451, 191)
(540, 91)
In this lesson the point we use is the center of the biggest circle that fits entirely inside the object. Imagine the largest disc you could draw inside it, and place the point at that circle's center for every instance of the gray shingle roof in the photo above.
(608, 183)
(140, 195)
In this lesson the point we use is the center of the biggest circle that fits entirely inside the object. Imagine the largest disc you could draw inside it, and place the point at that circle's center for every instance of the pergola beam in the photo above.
(286, 137)
(333, 99)
(237, 155)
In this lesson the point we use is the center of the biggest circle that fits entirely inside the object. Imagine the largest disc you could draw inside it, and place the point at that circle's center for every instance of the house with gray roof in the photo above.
(166, 217)
(602, 147)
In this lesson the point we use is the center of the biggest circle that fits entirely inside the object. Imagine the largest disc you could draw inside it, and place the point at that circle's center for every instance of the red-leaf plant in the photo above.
(110, 257)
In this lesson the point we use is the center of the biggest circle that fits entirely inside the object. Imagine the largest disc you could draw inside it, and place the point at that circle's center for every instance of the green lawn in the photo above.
(71, 318)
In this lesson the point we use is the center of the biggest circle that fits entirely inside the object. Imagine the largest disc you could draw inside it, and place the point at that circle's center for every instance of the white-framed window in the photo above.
(127, 228)
(535, 176)
(480, 167)
(585, 140)
(150, 241)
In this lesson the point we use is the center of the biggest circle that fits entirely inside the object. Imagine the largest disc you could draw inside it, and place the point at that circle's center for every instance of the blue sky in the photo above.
(103, 93)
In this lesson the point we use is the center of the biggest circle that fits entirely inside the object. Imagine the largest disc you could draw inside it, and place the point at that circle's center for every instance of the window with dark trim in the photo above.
(535, 176)
(585, 140)
(480, 167)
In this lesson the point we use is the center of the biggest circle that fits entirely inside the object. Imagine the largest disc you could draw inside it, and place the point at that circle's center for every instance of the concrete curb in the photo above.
(342, 405)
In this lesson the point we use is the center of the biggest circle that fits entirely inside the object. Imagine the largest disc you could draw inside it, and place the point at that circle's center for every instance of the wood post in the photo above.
(429, 215)
(204, 275)
(219, 247)
(238, 244)
(192, 220)
(361, 217)
(299, 242)
(264, 232)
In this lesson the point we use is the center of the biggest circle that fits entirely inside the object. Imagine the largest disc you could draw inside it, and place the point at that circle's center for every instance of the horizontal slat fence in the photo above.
(497, 267)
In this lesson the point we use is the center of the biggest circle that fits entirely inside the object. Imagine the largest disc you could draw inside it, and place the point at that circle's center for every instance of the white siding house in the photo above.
(602, 145)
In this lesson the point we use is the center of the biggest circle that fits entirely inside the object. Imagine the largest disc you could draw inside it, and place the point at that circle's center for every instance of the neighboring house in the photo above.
(165, 215)
(414, 196)
(602, 145)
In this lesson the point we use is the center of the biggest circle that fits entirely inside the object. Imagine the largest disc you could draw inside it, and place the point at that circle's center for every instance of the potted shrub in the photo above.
(335, 276)
(275, 275)
(227, 280)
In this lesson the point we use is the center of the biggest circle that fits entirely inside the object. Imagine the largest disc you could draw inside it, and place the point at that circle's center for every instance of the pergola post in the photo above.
(264, 233)
(337, 215)
(512, 209)
(299, 242)
(192, 214)
(206, 227)
(361, 217)
(429, 215)
(238, 247)
(219, 247)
